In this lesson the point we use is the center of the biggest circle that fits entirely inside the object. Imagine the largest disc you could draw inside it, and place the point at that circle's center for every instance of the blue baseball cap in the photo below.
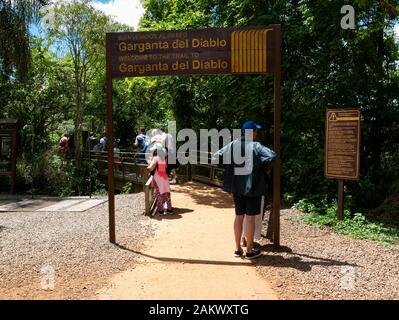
(248, 125)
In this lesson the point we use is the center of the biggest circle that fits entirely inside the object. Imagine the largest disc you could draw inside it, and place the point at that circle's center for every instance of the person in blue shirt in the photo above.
(142, 142)
(246, 178)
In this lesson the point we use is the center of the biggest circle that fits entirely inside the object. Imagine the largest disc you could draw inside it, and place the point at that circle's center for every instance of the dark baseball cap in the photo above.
(250, 125)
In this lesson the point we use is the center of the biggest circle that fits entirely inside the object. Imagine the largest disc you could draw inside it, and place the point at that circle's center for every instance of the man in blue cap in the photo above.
(246, 179)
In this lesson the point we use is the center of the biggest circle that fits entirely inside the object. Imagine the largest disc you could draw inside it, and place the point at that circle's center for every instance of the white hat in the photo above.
(157, 146)
(159, 138)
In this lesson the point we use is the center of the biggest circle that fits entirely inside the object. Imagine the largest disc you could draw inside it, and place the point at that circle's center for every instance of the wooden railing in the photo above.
(149, 197)
(203, 171)
(128, 168)
(131, 167)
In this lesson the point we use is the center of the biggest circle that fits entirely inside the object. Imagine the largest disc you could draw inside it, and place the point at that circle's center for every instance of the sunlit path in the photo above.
(191, 256)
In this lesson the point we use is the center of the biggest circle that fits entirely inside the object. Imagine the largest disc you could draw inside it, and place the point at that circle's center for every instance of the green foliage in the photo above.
(52, 174)
(127, 188)
(79, 30)
(354, 225)
(324, 67)
(15, 55)
(23, 176)
(41, 103)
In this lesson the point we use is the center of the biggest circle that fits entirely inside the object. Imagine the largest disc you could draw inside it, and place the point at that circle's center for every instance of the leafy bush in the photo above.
(53, 173)
(127, 188)
(4, 184)
(356, 225)
(23, 176)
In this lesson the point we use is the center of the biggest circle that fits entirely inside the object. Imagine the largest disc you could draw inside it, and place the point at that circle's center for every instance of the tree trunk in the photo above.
(380, 103)
(78, 123)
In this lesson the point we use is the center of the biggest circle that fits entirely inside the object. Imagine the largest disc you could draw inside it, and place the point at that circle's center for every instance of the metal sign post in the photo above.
(110, 144)
(340, 207)
(277, 139)
(236, 51)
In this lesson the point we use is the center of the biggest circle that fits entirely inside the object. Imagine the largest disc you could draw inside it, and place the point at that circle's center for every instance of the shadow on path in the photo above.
(188, 261)
(203, 194)
(294, 262)
(177, 214)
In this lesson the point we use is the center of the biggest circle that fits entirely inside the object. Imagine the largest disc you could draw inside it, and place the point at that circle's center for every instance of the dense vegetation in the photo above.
(324, 66)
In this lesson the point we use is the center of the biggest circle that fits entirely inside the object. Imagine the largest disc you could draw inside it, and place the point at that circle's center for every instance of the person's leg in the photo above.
(239, 202)
(253, 206)
(238, 230)
(243, 236)
(158, 198)
(249, 232)
(168, 201)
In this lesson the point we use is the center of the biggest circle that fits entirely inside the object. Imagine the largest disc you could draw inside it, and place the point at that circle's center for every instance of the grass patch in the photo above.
(355, 225)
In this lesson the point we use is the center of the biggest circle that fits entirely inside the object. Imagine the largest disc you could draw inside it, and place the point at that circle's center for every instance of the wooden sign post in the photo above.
(237, 51)
(342, 149)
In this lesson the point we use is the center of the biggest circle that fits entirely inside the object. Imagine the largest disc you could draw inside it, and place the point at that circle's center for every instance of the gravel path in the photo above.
(319, 264)
(313, 263)
(73, 244)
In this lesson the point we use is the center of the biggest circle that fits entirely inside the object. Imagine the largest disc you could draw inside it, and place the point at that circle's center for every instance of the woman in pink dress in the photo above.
(161, 181)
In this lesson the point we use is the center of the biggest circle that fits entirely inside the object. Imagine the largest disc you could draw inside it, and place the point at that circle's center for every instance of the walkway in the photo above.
(191, 255)
(48, 204)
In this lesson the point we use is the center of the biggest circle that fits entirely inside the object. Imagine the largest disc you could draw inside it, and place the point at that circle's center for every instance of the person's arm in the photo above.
(152, 164)
(266, 155)
(218, 155)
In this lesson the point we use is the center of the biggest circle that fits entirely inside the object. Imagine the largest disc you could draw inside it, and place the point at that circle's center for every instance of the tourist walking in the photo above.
(161, 180)
(64, 143)
(247, 183)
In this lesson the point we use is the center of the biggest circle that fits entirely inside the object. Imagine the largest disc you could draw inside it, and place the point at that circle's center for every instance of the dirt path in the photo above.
(191, 255)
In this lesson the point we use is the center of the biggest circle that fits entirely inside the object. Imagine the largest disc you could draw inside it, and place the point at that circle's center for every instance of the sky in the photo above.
(124, 11)
(130, 11)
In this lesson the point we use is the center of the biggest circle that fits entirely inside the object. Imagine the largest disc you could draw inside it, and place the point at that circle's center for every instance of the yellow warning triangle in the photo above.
(333, 117)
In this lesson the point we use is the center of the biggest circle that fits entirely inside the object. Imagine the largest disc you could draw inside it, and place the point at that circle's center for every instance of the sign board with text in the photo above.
(247, 50)
(237, 51)
(342, 146)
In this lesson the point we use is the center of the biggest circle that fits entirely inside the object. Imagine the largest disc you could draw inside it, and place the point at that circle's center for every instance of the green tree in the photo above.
(41, 102)
(80, 30)
(324, 66)
(15, 17)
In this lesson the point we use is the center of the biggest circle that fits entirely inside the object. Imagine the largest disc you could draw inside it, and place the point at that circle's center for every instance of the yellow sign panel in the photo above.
(249, 51)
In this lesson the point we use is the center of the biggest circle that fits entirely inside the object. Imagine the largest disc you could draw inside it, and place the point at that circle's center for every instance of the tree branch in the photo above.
(389, 7)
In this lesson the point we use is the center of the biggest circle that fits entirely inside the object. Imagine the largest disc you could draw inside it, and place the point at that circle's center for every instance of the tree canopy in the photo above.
(15, 17)
(324, 66)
